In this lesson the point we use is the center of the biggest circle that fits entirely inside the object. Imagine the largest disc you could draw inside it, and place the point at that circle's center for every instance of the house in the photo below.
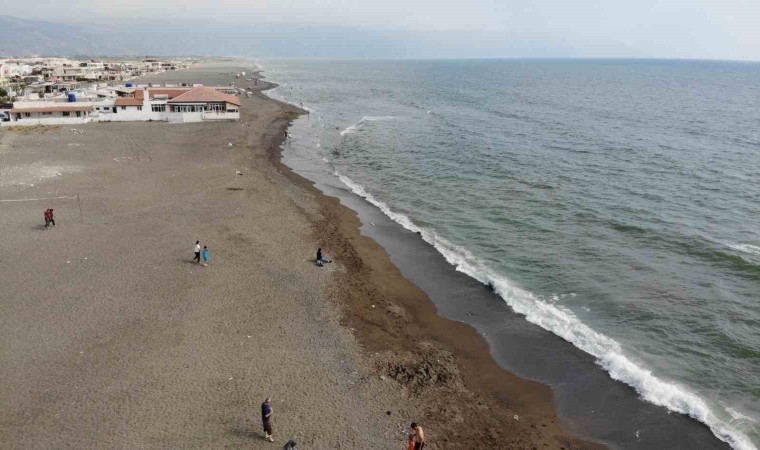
(173, 104)
(210, 102)
(50, 113)
(57, 102)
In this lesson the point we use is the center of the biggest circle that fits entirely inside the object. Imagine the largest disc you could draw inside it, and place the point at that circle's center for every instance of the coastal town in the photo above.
(61, 91)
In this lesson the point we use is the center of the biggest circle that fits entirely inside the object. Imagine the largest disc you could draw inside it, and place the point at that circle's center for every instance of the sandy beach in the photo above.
(112, 337)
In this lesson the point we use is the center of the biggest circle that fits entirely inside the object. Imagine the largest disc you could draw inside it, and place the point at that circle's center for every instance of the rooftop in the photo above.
(128, 101)
(203, 94)
(67, 108)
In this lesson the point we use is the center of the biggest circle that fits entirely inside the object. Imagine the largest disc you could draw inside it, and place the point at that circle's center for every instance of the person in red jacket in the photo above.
(49, 218)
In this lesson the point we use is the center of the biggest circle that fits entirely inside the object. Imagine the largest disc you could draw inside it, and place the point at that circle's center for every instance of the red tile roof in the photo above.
(42, 109)
(203, 94)
(128, 101)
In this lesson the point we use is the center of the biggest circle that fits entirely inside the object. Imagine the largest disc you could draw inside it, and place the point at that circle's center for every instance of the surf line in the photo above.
(38, 199)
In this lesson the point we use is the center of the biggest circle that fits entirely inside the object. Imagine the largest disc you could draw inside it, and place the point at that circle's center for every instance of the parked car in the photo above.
(5, 117)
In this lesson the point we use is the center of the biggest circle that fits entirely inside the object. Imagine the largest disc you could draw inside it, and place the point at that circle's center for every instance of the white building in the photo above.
(179, 105)
(50, 113)
(176, 105)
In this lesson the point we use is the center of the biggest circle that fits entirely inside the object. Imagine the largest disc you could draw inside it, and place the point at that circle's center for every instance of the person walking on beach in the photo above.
(49, 218)
(266, 418)
(320, 260)
(205, 256)
(418, 438)
(197, 258)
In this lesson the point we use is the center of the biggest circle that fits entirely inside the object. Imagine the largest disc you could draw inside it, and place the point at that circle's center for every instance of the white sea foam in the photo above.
(349, 130)
(745, 248)
(736, 415)
(565, 324)
(358, 125)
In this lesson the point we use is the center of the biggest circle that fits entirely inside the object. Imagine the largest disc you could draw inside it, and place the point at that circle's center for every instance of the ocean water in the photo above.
(615, 203)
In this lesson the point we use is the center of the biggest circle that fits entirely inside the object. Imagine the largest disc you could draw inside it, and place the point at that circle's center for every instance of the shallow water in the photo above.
(613, 203)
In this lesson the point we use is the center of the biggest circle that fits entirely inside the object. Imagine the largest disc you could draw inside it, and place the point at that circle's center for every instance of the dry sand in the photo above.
(111, 337)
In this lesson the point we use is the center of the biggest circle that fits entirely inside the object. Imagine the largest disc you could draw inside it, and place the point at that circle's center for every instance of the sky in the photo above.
(708, 29)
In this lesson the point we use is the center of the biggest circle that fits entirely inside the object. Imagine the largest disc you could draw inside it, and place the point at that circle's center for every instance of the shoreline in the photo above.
(358, 339)
(393, 313)
(589, 401)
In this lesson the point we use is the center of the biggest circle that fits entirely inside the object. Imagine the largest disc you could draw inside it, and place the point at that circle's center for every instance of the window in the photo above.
(139, 108)
(66, 114)
(189, 108)
(123, 108)
(27, 114)
(158, 107)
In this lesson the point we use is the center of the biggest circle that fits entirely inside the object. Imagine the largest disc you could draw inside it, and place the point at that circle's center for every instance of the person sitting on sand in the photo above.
(321, 261)
(266, 418)
(197, 258)
(290, 445)
(418, 437)
(205, 256)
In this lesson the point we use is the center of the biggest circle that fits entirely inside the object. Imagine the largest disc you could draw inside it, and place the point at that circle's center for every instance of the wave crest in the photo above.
(358, 125)
(566, 325)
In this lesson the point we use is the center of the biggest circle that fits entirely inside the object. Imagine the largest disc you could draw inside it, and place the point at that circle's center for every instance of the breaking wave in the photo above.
(563, 323)
(358, 125)
(745, 248)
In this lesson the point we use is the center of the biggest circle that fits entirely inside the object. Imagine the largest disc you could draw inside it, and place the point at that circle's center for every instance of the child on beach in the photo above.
(197, 258)
(321, 261)
(205, 256)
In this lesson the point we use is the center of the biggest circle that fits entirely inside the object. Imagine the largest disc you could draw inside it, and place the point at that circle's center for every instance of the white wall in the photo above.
(213, 115)
(28, 121)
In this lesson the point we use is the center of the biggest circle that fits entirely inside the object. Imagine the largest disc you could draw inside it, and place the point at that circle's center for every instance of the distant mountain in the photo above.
(23, 37)
(120, 37)
(97, 37)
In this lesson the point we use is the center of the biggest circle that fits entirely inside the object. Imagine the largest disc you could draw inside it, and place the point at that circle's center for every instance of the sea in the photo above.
(611, 206)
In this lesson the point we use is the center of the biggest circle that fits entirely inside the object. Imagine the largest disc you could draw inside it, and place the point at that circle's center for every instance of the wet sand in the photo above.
(110, 336)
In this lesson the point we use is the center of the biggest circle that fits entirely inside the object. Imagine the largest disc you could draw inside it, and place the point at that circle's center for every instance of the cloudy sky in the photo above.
(713, 29)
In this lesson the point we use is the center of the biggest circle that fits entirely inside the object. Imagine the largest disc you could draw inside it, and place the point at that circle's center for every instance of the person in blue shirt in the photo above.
(205, 256)
(266, 418)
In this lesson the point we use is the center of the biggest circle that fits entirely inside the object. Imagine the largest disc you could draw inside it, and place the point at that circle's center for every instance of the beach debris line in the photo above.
(418, 371)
